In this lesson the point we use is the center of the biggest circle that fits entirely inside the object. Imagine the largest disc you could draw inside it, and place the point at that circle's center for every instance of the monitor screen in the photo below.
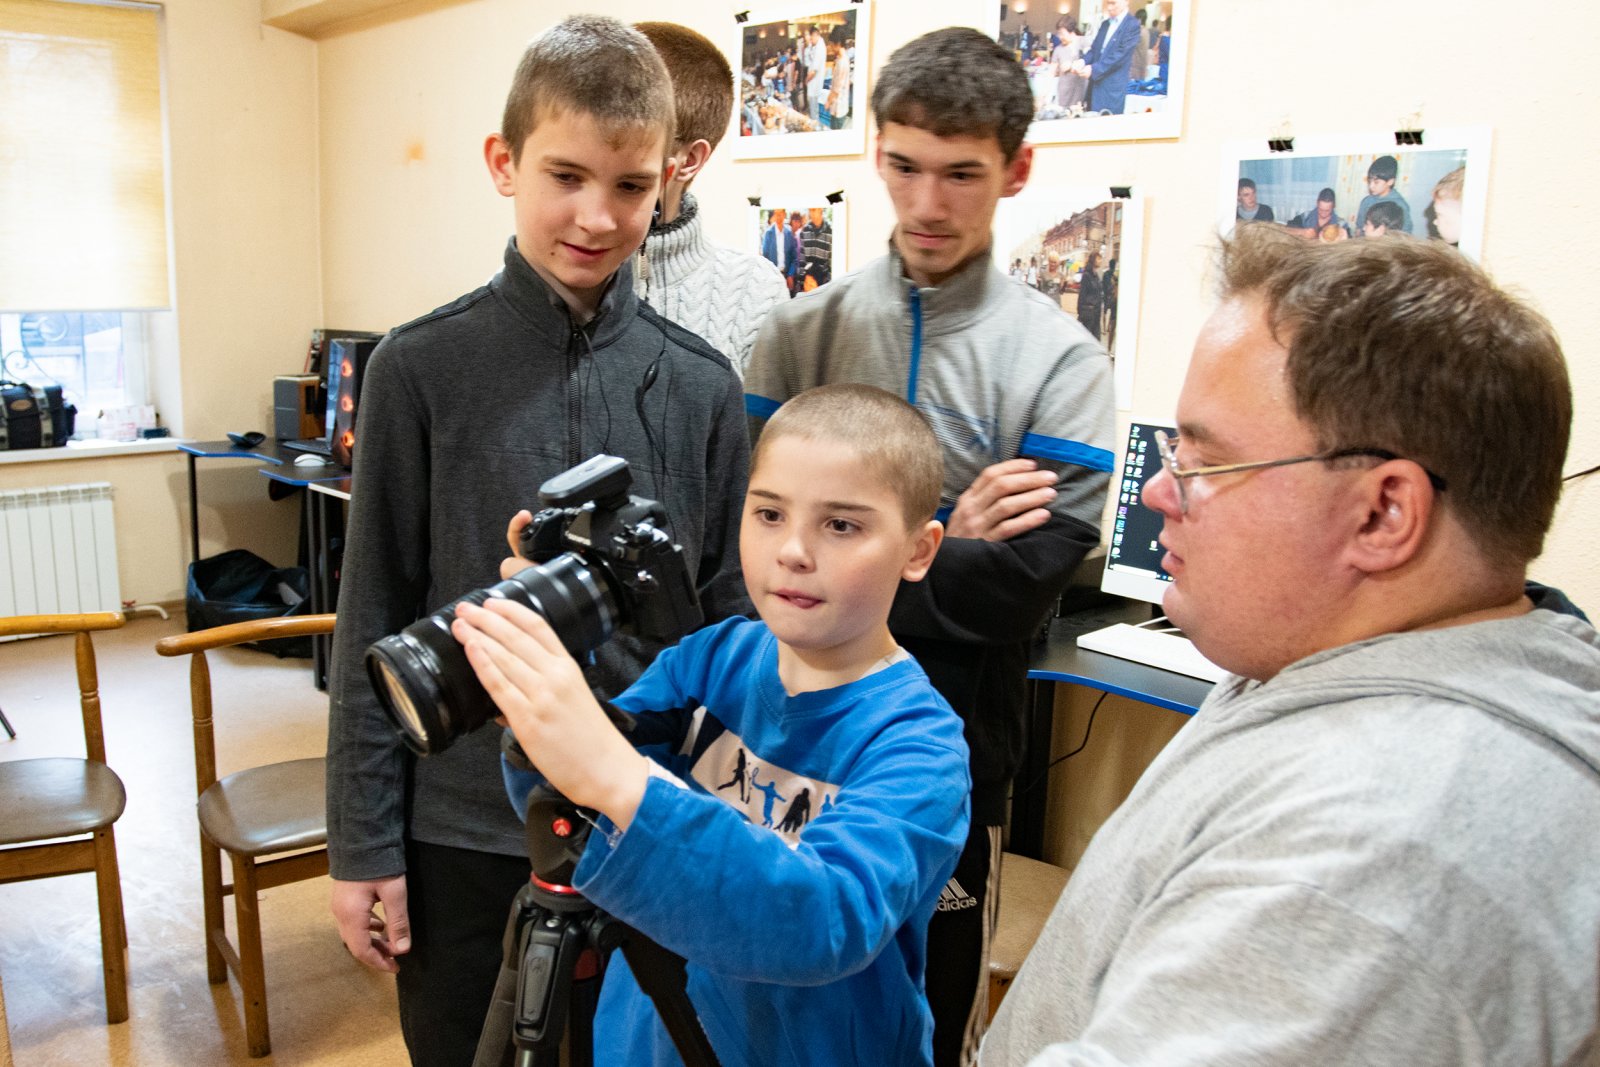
(1133, 565)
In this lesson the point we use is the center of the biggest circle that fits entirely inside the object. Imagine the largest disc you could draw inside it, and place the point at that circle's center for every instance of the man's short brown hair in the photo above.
(1409, 346)
(702, 81)
(956, 82)
(892, 438)
(595, 66)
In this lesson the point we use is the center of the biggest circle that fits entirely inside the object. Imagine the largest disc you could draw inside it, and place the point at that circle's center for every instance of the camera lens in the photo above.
(422, 676)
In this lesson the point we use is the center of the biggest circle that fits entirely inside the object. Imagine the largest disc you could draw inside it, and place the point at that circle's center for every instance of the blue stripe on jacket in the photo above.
(1074, 452)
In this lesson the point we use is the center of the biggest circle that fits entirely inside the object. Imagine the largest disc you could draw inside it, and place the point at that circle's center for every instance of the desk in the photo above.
(321, 516)
(1060, 660)
(265, 452)
(328, 488)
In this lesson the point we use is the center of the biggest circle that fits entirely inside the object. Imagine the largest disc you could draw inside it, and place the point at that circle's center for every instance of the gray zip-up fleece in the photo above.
(464, 413)
(1386, 856)
(1000, 371)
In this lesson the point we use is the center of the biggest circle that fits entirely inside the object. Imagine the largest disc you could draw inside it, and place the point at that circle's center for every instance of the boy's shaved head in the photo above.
(892, 438)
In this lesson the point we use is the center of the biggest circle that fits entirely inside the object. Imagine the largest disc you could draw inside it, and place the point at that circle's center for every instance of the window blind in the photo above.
(83, 213)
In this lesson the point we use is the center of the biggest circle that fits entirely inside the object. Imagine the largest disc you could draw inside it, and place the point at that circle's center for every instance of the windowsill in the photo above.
(90, 450)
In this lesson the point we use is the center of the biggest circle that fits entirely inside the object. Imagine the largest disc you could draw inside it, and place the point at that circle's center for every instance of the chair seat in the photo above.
(1028, 893)
(276, 808)
(57, 797)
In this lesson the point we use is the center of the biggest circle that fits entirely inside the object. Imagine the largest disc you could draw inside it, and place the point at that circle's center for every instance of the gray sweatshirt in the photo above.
(1389, 854)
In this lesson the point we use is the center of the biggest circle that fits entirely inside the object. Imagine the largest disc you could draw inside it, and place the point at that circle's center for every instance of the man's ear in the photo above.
(502, 170)
(1018, 169)
(1397, 504)
(925, 547)
(691, 161)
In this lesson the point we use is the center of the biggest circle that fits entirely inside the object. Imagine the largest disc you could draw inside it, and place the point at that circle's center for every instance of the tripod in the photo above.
(553, 937)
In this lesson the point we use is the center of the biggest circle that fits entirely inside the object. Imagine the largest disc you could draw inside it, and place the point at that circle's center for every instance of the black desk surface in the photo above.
(1061, 660)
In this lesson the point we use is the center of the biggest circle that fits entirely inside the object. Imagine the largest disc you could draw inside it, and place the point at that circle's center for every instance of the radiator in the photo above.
(58, 550)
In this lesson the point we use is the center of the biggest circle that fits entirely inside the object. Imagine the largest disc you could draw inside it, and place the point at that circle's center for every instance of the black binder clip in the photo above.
(741, 17)
(1280, 144)
(755, 201)
(1408, 137)
(1121, 192)
(835, 197)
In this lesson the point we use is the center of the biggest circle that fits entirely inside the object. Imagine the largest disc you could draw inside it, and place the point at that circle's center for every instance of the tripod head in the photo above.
(555, 935)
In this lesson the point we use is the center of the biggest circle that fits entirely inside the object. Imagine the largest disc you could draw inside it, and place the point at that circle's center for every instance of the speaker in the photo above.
(295, 412)
(348, 361)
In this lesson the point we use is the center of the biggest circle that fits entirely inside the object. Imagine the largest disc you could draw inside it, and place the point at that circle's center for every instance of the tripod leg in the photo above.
(662, 976)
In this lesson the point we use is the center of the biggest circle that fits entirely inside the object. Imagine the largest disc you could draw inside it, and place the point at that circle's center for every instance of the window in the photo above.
(87, 260)
(97, 357)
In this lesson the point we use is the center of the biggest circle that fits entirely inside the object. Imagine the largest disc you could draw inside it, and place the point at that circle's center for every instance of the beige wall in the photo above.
(242, 126)
(341, 182)
(410, 220)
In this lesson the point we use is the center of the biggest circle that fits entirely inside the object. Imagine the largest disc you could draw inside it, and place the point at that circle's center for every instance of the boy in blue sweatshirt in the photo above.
(796, 793)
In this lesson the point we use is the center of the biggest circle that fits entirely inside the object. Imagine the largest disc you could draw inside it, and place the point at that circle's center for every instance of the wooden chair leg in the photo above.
(252, 968)
(113, 928)
(211, 898)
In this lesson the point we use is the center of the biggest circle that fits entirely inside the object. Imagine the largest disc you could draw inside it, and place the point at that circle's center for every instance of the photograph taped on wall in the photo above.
(1083, 249)
(802, 80)
(802, 235)
(1335, 187)
(1100, 70)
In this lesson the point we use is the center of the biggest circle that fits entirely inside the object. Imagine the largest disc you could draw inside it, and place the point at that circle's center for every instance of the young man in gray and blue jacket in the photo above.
(1020, 398)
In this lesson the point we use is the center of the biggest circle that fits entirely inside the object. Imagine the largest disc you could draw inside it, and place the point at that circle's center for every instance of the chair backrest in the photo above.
(198, 644)
(81, 625)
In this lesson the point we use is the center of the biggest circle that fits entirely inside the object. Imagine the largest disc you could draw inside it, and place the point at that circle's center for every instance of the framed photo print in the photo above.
(802, 80)
(1100, 70)
(1083, 249)
(803, 235)
(1335, 188)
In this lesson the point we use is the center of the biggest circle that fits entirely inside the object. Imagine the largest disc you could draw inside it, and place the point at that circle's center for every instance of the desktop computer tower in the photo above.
(347, 364)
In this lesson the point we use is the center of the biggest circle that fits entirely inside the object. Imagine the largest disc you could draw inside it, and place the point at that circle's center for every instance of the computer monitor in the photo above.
(1133, 564)
(1133, 567)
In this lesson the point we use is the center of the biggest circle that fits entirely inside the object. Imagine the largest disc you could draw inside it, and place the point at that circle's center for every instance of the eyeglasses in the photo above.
(1167, 446)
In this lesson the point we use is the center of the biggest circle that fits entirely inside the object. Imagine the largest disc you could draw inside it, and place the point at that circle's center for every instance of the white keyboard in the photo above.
(1167, 651)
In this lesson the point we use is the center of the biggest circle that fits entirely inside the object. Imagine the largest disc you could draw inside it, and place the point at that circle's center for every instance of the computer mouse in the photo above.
(308, 460)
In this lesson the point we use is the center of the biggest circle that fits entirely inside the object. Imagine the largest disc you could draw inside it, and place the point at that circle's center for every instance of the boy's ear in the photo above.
(691, 161)
(925, 546)
(502, 170)
(1017, 170)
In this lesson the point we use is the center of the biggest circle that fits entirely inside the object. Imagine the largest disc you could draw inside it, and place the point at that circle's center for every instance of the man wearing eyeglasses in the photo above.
(1377, 844)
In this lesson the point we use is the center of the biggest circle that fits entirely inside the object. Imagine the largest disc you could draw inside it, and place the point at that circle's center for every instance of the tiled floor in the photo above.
(325, 1008)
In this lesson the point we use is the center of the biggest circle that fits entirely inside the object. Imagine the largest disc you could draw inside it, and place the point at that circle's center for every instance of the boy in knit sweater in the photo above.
(719, 293)
(465, 412)
(794, 794)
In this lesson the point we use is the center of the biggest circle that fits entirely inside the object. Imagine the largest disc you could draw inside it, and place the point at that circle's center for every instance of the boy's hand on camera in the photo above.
(373, 940)
(542, 693)
(1007, 499)
(516, 564)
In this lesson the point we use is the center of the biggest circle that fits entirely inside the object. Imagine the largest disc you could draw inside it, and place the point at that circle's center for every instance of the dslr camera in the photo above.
(602, 562)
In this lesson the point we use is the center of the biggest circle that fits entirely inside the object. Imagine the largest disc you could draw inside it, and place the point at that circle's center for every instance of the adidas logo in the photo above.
(954, 898)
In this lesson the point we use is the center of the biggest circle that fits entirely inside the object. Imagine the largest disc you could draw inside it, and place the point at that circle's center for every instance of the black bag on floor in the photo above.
(35, 416)
(238, 586)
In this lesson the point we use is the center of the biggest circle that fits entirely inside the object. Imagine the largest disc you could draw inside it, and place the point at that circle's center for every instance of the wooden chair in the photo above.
(271, 821)
(48, 798)
(1029, 889)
